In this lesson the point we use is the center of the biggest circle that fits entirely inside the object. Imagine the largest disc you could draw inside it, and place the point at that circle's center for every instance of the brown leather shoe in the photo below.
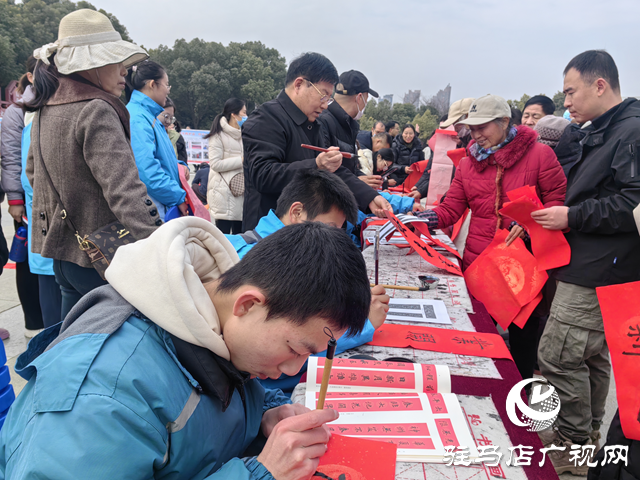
(562, 459)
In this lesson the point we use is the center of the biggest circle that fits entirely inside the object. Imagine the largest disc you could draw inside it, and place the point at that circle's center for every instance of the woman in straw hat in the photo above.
(80, 139)
(501, 158)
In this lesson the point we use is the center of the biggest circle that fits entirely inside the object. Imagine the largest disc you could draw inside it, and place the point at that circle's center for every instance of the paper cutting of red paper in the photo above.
(620, 306)
(441, 340)
(369, 459)
(550, 247)
(457, 155)
(424, 250)
(505, 279)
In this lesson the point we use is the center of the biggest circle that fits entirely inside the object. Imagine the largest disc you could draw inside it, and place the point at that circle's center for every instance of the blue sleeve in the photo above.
(242, 469)
(159, 183)
(345, 343)
(274, 398)
(399, 203)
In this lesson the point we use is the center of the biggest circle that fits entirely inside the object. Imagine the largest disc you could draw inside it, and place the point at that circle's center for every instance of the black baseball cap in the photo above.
(354, 82)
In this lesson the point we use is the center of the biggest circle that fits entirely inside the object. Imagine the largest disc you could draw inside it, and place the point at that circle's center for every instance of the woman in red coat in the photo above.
(500, 158)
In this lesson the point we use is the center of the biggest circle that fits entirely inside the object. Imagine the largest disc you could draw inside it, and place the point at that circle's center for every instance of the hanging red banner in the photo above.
(424, 250)
(441, 340)
(550, 247)
(505, 279)
(620, 306)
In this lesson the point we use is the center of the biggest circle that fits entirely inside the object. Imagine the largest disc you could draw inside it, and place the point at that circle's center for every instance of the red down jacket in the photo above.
(483, 186)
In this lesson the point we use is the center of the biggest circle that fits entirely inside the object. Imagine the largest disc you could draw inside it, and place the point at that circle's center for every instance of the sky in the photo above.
(503, 47)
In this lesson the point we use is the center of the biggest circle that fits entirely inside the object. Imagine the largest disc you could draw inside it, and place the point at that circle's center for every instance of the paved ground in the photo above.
(12, 319)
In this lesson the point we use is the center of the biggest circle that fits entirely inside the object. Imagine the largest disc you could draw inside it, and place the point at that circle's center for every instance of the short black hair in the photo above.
(389, 125)
(516, 116)
(548, 107)
(307, 270)
(319, 192)
(315, 67)
(594, 64)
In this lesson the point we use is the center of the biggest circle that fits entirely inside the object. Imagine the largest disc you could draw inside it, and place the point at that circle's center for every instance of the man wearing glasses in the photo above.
(273, 135)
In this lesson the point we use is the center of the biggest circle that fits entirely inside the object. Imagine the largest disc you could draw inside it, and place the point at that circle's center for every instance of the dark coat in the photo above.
(340, 130)
(271, 139)
(365, 140)
(85, 145)
(603, 188)
(181, 149)
(407, 154)
(617, 471)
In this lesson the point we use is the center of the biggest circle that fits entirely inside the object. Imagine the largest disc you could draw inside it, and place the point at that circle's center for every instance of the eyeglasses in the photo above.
(323, 97)
(169, 118)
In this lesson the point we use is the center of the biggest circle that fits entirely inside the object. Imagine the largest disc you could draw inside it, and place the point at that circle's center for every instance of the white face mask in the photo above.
(360, 112)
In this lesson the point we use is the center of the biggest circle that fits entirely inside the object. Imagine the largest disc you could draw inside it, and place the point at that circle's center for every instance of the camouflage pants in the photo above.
(574, 358)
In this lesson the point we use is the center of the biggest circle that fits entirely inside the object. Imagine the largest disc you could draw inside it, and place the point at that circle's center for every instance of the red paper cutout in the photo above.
(424, 250)
(505, 279)
(441, 340)
(550, 247)
(371, 460)
(457, 155)
(620, 306)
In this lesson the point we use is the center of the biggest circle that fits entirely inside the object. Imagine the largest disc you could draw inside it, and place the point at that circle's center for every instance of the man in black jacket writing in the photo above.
(603, 188)
(273, 134)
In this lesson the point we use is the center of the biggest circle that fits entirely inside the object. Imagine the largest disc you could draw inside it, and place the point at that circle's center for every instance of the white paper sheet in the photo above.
(420, 310)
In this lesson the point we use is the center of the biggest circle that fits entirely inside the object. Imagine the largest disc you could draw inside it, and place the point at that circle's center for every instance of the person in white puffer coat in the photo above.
(225, 160)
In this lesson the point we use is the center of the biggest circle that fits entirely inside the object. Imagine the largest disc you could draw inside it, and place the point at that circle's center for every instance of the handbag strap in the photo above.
(63, 213)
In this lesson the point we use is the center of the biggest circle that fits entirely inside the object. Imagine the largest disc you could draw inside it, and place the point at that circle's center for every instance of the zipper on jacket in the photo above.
(633, 160)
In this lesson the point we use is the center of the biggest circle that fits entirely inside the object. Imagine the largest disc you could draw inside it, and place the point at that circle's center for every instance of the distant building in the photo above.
(413, 97)
(388, 98)
(441, 100)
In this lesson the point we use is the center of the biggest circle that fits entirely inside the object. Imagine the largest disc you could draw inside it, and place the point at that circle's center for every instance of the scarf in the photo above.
(481, 154)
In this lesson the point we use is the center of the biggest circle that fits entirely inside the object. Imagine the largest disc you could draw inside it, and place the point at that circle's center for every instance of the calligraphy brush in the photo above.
(326, 374)
(320, 149)
(376, 250)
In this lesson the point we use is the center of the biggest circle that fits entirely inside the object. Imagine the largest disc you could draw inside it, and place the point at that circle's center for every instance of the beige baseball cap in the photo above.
(487, 108)
(457, 110)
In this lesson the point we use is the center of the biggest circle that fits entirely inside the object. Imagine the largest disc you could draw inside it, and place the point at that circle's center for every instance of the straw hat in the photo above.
(86, 40)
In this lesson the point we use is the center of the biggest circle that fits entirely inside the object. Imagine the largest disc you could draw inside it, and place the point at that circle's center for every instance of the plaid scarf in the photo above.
(481, 154)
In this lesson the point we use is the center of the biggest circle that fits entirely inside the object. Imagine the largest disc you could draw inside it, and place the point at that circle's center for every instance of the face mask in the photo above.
(360, 112)
(242, 120)
(464, 131)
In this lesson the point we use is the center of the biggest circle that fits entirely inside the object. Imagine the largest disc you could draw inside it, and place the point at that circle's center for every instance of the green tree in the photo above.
(366, 123)
(519, 104)
(403, 113)
(428, 122)
(558, 100)
(205, 74)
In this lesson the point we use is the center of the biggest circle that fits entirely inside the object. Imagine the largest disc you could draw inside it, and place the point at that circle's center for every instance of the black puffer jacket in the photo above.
(603, 188)
(407, 154)
(617, 471)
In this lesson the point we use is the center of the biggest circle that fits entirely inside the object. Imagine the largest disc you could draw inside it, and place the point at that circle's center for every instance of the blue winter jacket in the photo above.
(266, 226)
(109, 399)
(155, 157)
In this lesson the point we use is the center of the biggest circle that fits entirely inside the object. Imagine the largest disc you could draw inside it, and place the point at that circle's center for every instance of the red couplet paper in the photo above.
(457, 155)
(550, 247)
(505, 279)
(358, 459)
(441, 340)
(418, 169)
(620, 306)
(424, 229)
(424, 250)
(458, 225)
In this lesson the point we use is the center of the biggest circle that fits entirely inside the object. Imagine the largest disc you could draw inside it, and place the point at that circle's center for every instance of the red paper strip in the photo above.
(369, 378)
(418, 168)
(429, 378)
(191, 198)
(424, 229)
(417, 444)
(505, 279)
(377, 429)
(441, 340)
(447, 433)
(437, 403)
(359, 459)
(550, 247)
(374, 405)
(424, 250)
(368, 364)
(407, 394)
(458, 225)
(620, 306)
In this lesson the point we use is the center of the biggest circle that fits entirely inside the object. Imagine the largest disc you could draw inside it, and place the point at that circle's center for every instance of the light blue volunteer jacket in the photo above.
(155, 157)
(266, 226)
(108, 399)
(37, 263)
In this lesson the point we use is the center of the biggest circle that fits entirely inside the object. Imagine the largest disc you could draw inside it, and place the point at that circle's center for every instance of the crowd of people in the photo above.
(176, 354)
